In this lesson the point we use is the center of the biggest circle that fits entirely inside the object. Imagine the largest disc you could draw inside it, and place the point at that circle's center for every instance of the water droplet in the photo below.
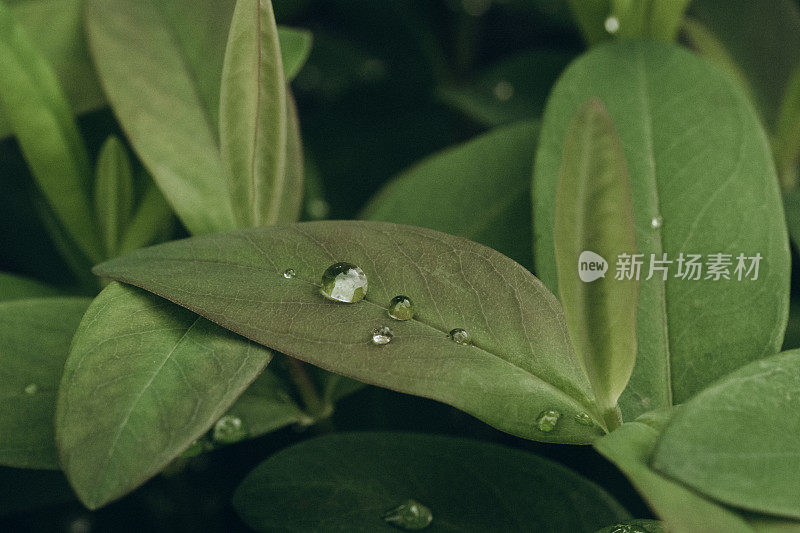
(656, 222)
(547, 420)
(344, 282)
(197, 447)
(33, 388)
(318, 209)
(409, 515)
(229, 429)
(289, 273)
(460, 336)
(401, 308)
(382, 335)
(612, 25)
(584, 419)
(503, 91)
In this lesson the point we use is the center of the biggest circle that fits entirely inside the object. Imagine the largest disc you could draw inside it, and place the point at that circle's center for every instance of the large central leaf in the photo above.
(703, 182)
(520, 363)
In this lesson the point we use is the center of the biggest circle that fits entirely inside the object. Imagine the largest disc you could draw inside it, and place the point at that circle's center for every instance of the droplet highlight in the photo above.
(547, 420)
(289, 273)
(409, 516)
(344, 282)
(503, 91)
(460, 336)
(584, 419)
(32, 389)
(401, 308)
(229, 429)
(656, 222)
(611, 25)
(382, 335)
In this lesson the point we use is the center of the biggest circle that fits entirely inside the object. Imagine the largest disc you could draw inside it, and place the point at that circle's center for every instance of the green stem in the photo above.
(306, 388)
(613, 418)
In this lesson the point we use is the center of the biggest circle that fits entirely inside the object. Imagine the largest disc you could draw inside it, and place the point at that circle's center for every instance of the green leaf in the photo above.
(151, 220)
(701, 168)
(786, 141)
(590, 16)
(736, 441)
(113, 193)
(594, 213)
(681, 509)
(37, 110)
(56, 28)
(449, 191)
(35, 335)
(651, 19)
(14, 287)
(507, 92)
(143, 380)
(520, 363)
(466, 485)
(162, 77)
(253, 119)
(295, 49)
(635, 526)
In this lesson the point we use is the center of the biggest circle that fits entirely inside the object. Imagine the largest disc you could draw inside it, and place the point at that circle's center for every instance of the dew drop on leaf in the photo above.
(460, 336)
(229, 429)
(344, 282)
(401, 308)
(656, 222)
(547, 420)
(289, 273)
(612, 25)
(382, 335)
(584, 419)
(409, 516)
(33, 388)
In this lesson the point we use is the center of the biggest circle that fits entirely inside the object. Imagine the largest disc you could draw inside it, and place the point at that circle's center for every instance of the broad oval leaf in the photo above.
(681, 509)
(519, 365)
(594, 214)
(143, 380)
(35, 335)
(467, 486)
(39, 115)
(253, 128)
(162, 78)
(737, 441)
(113, 193)
(703, 182)
(449, 191)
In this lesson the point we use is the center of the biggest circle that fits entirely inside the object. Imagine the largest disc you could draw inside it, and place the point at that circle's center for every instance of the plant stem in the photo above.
(306, 388)
(613, 418)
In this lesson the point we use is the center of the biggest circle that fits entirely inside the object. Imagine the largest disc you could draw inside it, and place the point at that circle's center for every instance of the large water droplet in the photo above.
(584, 419)
(382, 335)
(657, 222)
(229, 429)
(344, 282)
(289, 273)
(612, 25)
(547, 420)
(460, 336)
(33, 388)
(401, 308)
(409, 515)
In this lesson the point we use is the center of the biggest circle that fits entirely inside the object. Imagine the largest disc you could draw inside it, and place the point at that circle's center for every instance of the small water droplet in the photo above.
(229, 429)
(547, 420)
(409, 516)
(612, 25)
(401, 308)
(344, 282)
(584, 419)
(460, 336)
(33, 388)
(503, 91)
(197, 447)
(382, 335)
(289, 273)
(657, 222)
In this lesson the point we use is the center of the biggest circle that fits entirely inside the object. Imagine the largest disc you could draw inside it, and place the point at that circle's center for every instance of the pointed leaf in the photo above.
(466, 485)
(449, 191)
(590, 16)
(143, 380)
(594, 213)
(152, 219)
(703, 182)
(39, 114)
(253, 114)
(267, 405)
(14, 287)
(737, 441)
(35, 334)
(162, 78)
(519, 365)
(113, 193)
(295, 49)
(650, 19)
(786, 143)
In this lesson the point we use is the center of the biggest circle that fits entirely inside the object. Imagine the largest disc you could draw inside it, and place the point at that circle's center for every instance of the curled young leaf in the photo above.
(113, 193)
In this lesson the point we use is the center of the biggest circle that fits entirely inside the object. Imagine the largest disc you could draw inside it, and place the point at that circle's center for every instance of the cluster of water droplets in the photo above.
(409, 516)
